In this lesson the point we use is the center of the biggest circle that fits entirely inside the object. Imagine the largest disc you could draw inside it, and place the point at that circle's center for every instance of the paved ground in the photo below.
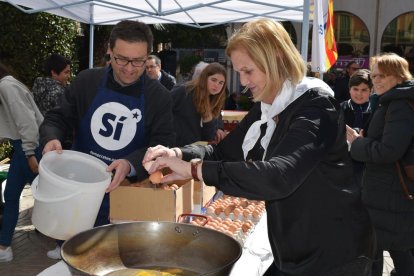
(30, 246)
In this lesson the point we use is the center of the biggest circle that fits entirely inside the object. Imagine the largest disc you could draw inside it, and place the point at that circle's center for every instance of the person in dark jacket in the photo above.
(197, 106)
(357, 110)
(341, 87)
(116, 112)
(154, 71)
(47, 91)
(389, 135)
(290, 150)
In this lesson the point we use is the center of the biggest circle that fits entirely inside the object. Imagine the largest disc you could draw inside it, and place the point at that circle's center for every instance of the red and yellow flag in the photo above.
(324, 53)
(330, 44)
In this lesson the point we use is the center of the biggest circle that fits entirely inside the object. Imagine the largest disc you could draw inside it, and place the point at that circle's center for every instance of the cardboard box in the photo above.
(231, 118)
(203, 193)
(141, 202)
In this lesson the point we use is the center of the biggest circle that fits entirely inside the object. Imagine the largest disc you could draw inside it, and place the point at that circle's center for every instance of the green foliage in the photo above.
(5, 150)
(26, 40)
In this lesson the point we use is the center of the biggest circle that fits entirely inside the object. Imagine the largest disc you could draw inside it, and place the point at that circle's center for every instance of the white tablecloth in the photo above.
(257, 255)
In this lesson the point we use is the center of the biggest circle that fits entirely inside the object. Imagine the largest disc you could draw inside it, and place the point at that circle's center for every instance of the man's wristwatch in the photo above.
(194, 166)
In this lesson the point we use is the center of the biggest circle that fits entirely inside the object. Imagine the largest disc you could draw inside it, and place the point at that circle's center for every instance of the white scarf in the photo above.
(287, 95)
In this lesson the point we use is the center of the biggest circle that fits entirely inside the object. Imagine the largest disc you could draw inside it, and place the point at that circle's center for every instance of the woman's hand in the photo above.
(181, 170)
(352, 134)
(160, 151)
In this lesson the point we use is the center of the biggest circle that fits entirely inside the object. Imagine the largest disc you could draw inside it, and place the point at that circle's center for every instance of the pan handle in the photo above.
(181, 218)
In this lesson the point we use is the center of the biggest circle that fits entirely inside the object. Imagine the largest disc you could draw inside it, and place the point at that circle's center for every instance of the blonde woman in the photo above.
(197, 106)
(389, 135)
(290, 151)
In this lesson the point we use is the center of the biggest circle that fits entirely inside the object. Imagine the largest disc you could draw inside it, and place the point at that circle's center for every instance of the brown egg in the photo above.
(246, 227)
(218, 219)
(156, 177)
(229, 209)
(233, 228)
(256, 214)
(210, 209)
(246, 213)
(244, 203)
(249, 222)
(218, 210)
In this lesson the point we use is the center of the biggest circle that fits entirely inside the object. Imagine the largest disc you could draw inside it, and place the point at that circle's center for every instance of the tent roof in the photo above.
(187, 12)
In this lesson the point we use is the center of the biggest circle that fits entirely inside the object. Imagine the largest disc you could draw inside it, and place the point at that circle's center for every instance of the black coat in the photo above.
(316, 220)
(341, 88)
(386, 141)
(187, 121)
(349, 109)
(167, 80)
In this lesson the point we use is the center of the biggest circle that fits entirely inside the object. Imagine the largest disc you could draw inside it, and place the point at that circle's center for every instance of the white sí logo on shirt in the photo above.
(114, 125)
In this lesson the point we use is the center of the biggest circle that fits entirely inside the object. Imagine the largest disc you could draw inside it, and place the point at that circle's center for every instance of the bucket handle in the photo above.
(36, 196)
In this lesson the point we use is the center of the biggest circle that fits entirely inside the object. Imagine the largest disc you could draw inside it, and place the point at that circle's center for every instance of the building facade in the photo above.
(364, 28)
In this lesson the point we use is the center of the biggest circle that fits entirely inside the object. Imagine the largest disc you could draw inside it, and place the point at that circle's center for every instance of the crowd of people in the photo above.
(323, 158)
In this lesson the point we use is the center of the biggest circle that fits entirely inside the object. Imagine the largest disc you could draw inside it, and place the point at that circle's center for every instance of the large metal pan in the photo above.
(176, 248)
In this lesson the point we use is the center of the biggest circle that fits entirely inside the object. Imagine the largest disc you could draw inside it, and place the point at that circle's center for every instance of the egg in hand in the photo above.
(156, 177)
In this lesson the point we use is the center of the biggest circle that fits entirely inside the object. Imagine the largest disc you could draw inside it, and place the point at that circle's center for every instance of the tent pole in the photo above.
(91, 33)
(305, 30)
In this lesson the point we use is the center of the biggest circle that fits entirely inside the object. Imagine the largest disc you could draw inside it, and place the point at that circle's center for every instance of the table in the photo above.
(257, 255)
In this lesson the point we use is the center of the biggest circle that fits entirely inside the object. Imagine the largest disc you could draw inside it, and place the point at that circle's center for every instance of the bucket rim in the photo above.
(73, 155)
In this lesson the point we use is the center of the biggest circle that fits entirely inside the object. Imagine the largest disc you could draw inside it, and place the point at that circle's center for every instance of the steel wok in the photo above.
(111, 248)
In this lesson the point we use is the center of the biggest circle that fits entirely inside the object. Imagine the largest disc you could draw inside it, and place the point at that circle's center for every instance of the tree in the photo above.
(26, 40)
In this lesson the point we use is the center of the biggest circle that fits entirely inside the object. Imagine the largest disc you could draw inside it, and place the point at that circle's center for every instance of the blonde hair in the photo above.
(392, 65)
(269, 46)
(203, 101)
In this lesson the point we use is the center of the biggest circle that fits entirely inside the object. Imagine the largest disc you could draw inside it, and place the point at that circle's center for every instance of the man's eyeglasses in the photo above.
(134, 62)
(354, 68)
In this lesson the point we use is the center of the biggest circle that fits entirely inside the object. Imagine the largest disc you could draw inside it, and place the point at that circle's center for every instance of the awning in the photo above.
(187, 12)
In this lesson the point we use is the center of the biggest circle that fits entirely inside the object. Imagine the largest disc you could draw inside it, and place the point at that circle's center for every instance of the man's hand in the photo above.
(122, 169)
(53, 145)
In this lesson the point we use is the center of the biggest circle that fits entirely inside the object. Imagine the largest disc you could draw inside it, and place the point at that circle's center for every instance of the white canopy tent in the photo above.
(187, 12)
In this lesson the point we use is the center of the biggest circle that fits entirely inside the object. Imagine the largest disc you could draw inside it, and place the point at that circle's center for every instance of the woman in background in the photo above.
(389, 135)
(197, 106)
(19, 121)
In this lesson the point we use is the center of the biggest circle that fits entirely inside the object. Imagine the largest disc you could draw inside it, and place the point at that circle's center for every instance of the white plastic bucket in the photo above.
(68, 193)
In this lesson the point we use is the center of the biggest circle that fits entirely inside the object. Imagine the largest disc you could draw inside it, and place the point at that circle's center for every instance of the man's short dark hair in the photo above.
(361, 76)
(131, 31)
(57, 63)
